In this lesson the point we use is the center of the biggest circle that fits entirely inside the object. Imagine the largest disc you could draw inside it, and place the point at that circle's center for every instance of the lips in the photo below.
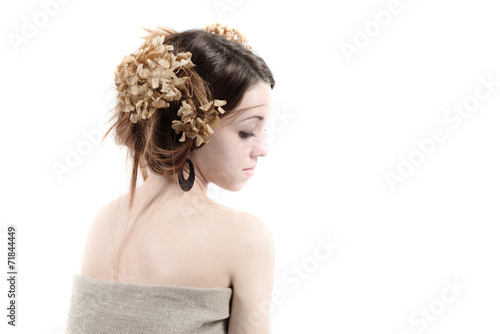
(250, 167)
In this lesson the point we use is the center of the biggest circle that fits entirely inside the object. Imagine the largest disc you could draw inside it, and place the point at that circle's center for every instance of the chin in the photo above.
(234, 187)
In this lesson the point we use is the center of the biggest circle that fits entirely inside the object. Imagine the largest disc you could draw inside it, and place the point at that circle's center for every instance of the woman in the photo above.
(165, 258)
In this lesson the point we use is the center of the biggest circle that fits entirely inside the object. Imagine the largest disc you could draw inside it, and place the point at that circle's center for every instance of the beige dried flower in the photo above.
(193, 126)
(231, 34)
(148, 79)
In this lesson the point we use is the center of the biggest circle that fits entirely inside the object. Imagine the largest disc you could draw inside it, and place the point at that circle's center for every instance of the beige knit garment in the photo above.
(99, 306)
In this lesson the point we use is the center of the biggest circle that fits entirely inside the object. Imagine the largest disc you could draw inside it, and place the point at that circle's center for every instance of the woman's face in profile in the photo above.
(235, 147)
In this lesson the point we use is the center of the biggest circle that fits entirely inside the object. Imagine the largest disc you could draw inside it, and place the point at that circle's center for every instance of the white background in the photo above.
(339, 126)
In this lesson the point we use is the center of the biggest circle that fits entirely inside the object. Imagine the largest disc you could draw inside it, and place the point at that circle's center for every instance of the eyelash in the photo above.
(246, 135)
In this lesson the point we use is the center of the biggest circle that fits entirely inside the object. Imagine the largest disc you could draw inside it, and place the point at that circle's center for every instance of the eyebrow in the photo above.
(256, 116)
(248, 108)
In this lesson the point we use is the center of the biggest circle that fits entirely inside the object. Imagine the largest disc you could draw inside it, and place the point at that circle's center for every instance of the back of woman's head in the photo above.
(224, 69)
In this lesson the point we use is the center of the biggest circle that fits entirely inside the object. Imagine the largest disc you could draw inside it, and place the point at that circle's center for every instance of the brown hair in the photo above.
(224, 70)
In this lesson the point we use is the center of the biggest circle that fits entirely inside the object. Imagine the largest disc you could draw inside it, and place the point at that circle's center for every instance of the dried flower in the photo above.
(148, 79)
(231, 34)
(193, 126)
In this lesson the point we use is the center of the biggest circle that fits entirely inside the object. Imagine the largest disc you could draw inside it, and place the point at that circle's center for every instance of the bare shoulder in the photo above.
(254, 230)
(102, 217)
(245, 227)
(247, 237)
(251, 239)
(251, 273)
(98, 240)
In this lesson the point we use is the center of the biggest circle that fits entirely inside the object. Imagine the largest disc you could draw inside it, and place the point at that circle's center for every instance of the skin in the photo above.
(185, 238)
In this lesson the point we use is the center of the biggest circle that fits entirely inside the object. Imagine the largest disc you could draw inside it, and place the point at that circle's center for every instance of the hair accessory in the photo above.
(186, 185)
(231, 34)
(193, 126)
(147, 80)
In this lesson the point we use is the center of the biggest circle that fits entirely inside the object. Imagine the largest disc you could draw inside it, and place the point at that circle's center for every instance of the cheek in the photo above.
(232, 156)
(230, 153)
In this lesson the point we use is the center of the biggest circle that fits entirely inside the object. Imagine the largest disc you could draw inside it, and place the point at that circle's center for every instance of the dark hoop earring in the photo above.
(186, 185)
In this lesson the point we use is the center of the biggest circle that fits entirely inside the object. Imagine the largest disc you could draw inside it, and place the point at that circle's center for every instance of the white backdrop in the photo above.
(381, 187)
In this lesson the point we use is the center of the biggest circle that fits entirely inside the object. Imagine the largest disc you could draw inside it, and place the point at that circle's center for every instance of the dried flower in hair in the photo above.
(193, 126)
(148, 79)
(231, 34)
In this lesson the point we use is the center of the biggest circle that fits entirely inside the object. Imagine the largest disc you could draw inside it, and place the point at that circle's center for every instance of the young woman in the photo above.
(165, 258)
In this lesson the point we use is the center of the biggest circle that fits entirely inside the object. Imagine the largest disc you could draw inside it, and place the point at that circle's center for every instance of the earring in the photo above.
(186, 185)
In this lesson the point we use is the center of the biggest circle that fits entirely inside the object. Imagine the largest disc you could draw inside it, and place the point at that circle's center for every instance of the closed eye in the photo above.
(246, 135)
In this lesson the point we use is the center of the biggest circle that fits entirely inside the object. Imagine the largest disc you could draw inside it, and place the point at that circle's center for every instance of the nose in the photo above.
(261, 147)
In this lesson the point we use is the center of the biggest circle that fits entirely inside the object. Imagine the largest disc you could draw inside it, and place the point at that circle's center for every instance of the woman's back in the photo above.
(174, 243)
(183, 244)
